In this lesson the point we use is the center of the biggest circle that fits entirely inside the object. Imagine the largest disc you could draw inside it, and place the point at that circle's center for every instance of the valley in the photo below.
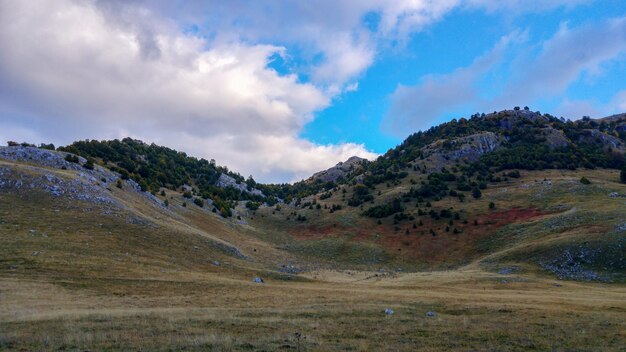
(526, 259)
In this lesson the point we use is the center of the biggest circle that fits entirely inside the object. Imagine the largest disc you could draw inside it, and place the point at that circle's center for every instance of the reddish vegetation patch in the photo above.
(419, 244)
(508, 216)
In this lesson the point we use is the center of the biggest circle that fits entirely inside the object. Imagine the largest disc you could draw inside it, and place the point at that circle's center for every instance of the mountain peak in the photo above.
(342, 169)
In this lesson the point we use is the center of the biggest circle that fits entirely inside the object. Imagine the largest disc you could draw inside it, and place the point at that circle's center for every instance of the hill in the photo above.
(499, 230)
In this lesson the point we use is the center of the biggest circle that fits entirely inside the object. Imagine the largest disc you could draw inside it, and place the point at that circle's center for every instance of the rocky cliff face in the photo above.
(226, 181)
(595, 136)
(555, 138)
(342, 169)
(469, 148)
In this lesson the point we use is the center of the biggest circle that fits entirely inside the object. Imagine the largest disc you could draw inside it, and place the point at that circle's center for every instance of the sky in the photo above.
(280, 89)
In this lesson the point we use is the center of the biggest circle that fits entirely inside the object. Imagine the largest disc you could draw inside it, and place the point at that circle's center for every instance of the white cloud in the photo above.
(564, 58)
(69, 72)
(332, 36)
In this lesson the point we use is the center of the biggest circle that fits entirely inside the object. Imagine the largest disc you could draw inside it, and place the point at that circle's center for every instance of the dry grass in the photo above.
(102, 282)
(475, 311)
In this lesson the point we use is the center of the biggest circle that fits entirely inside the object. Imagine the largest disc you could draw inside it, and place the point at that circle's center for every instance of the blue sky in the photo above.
(454, 42)
(281, 89)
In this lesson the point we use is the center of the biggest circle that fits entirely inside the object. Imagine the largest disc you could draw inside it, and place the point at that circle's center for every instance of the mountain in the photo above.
(454, 231)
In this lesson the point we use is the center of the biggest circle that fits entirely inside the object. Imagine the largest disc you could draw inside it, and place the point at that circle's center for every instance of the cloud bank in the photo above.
(69, 71)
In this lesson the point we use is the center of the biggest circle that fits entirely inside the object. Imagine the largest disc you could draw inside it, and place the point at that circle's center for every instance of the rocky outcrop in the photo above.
(509, 118)
(81, 184)
(225, 181)
(468, 148)
(43, 157)
(342, 169)
(555, 138)
(594, 136)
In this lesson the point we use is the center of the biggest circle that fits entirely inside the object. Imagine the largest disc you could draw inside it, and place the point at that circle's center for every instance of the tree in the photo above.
(47, 146)
(622, 175)
(253, 205)
(476, 193)
(89, 164)
(492, 205)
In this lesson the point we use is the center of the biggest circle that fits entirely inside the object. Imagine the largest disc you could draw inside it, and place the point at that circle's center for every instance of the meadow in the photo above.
(76, 276)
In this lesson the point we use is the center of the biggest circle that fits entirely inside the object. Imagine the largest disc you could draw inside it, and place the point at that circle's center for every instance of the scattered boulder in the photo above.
(389, 311)
(290, 269)
(431, 314)
(508, 270)
(258, 280)
(575, 263)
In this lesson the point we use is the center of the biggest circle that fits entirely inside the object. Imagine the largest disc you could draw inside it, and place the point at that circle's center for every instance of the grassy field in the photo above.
(75, 275)
(474, 311)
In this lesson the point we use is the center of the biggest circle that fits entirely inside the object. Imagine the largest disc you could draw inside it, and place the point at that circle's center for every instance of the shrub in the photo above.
(585, 181)
(622, 175)
(513, 174)
(476, 193)
(72, 158)
(492, 205)
(199, 202)
(253, 205)
(382, 211)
